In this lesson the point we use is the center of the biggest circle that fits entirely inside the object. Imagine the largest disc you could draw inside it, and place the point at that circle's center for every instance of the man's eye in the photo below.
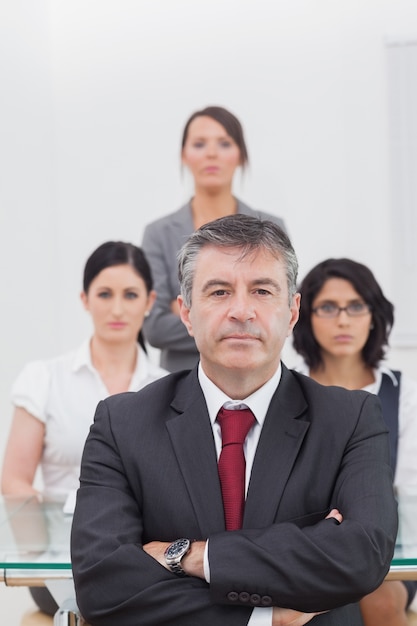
(263, 292)
(219, 292)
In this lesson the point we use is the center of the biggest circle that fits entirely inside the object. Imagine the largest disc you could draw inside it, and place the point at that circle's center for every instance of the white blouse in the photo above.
(63, 393)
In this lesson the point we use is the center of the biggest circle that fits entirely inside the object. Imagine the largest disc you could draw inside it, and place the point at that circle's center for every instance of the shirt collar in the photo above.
(142, 371)
(258, 402)
(383, 369)
(376, 385)
(303, 368)
(82, 358)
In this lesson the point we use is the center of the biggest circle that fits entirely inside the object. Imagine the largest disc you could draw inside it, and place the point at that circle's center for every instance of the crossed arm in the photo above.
(193, 565)
(125, 501)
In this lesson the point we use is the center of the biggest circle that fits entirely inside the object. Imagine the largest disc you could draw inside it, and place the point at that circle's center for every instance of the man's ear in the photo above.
(185, 315)
(295, 312)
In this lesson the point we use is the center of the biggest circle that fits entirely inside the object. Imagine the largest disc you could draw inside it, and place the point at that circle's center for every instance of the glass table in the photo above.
(35, 548)
(404, 562)
(35, 551)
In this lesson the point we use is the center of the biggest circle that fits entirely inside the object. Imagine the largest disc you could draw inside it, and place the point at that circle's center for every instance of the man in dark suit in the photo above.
(149, 540)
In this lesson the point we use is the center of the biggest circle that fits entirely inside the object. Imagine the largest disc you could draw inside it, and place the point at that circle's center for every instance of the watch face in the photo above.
(177, 548)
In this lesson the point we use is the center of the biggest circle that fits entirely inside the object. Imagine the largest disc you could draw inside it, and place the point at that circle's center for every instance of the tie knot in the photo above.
(235, 424)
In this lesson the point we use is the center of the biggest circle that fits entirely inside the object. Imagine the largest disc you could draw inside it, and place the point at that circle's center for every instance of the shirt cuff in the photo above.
(206, 564)
(261, 616)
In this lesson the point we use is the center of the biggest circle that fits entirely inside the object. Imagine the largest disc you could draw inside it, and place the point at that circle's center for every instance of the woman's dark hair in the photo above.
(364, 282)
(229, 122)
(113, 253)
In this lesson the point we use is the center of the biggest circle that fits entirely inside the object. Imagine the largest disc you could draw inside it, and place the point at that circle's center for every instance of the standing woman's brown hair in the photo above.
(213, 148)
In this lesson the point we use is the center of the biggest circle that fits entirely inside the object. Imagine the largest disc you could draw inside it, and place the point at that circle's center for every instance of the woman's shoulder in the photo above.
(42, 369)
(301, 367)
(180, 216)
(155, 371)
(30, 389)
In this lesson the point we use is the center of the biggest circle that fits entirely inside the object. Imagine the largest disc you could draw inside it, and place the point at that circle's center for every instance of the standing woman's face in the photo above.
(343, 334)
(210, 154)
(118, 300)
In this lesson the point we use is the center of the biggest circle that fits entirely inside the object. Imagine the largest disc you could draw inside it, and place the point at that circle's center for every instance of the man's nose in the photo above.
(241, 308)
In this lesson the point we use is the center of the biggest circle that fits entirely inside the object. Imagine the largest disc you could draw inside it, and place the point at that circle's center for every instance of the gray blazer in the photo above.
(149, 472)
(162, 240)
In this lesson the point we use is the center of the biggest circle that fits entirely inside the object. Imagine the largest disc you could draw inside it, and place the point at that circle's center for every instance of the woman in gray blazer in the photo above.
(213, 147)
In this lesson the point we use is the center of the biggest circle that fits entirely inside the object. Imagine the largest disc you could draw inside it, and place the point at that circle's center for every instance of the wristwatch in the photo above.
(174, 553)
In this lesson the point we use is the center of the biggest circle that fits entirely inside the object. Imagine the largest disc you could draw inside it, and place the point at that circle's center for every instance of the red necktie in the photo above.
(235, 425)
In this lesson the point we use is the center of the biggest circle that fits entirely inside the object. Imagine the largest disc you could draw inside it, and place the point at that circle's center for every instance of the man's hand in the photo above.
(336, 514)
(289, 617)
(193, 565)
(156, 549)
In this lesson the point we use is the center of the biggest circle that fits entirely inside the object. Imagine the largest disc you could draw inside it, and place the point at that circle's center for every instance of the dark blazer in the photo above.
(149, 472)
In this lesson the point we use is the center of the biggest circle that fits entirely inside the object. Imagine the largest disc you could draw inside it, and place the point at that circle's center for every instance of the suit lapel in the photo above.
(279, 444)
(193, 444)
(192, 439)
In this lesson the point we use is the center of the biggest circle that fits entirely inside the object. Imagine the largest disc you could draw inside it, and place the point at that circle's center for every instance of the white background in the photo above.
(93, 98)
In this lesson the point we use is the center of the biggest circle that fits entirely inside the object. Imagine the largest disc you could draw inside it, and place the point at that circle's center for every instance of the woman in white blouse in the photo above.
(55, 400)
(342, 333)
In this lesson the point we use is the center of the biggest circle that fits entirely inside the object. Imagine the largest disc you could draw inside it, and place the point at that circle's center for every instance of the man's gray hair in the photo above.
(237, 231)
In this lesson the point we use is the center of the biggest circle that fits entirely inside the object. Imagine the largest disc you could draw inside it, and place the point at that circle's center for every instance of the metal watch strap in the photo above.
(177, 569)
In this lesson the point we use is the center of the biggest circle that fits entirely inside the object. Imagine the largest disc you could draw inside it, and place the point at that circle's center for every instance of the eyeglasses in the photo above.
(330, 310)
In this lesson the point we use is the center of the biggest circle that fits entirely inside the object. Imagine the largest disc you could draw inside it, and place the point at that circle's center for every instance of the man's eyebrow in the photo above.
(215, 282)
(219, 283)
(267, 281)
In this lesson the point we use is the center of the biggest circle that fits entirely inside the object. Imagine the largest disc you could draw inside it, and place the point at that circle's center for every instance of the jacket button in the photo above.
(232, 596)
(266, 601)
(244, 596)
(255, 599)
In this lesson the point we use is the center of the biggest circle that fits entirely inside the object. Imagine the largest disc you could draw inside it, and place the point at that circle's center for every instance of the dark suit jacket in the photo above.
(149, 472)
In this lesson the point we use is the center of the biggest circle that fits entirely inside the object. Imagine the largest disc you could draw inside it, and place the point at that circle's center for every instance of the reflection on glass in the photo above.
(34, 534)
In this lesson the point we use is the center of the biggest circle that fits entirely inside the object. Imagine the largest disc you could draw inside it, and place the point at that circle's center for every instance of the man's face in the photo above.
(240, 314)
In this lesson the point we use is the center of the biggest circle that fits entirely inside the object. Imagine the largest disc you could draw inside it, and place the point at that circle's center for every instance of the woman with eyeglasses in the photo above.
(342, 334)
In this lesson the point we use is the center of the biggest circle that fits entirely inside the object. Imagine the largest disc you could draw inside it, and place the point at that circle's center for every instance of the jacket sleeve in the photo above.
(116, 582)
(163, 329)
(320, 566)
(306, 564)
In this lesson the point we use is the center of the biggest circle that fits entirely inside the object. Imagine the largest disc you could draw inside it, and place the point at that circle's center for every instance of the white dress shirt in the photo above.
(258, 403)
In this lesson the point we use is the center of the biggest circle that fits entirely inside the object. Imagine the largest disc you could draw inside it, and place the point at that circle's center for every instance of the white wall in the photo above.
(94, 95)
